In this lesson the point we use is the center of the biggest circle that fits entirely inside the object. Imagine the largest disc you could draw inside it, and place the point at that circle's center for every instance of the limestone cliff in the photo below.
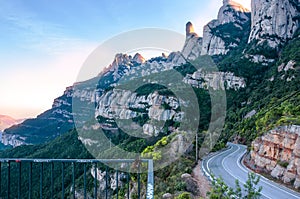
(274, 22)
(193, 43)
(278, 153)
(220, 35)
(124, 105)
(216, 80)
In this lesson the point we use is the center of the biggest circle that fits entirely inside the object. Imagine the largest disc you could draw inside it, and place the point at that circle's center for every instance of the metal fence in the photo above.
(60, 178)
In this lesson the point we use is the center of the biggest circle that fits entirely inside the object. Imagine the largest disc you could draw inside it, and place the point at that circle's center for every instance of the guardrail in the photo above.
(39, 178)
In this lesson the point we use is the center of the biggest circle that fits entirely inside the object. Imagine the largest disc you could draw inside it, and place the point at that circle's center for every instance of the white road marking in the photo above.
(243, 168)
(263, 179)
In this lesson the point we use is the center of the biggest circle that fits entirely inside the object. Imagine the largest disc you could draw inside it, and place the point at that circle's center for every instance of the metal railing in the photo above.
(69, 178)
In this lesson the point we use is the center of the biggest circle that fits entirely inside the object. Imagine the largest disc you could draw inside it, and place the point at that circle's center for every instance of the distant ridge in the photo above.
(7, 121)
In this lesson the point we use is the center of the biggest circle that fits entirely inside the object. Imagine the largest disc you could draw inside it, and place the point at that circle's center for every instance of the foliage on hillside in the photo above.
(273, 94)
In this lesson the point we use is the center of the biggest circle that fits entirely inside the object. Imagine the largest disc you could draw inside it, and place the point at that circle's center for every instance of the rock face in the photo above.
(112, 181)
(278, 153)
(193, 43)
(215, 80)
(219, 36)
(191, 184)
(124, 105)
(274, 22)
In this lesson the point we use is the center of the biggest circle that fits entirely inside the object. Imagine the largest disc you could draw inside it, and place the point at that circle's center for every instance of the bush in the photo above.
(184, 195)
(283, 163)
(221, 190)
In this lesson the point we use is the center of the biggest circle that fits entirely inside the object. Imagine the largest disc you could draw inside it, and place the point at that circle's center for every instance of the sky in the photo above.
(43, 43)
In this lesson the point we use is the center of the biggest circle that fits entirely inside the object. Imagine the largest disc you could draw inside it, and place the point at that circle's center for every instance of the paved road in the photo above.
(227, 164)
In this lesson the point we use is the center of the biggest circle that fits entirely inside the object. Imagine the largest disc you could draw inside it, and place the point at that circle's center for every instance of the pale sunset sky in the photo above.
(43, 43)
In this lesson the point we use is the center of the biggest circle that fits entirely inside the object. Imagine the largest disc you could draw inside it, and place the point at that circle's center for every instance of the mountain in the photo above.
(59, 119)
(274, 22)
(7, 121)
(257, 61)
(220, 35)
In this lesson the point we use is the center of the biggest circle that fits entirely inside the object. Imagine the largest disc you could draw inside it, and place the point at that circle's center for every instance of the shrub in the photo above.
(184, 195)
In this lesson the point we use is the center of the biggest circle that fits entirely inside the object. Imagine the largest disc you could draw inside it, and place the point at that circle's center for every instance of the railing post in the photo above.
(117, 184)
(128, 184)
(139, 184)
(30, 181)
(8, 179)
(19, 182)
(52, 180)
(41, 181)
(62, 181)
(73, 179)
(150, 181)
(106, 183)
(95, 181)
(84, 180)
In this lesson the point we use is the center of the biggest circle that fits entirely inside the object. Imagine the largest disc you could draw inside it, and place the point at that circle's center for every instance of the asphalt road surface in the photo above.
(227, 164)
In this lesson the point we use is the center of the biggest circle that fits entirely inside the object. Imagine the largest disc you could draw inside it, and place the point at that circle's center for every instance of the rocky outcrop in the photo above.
(278, 153)
(193, 43)
(124, 105)
(111, 186)
(215, 80)
(285, 67)
(191, 184)
(274, 22)
(121, 64)
(138, 58)
(219, 36)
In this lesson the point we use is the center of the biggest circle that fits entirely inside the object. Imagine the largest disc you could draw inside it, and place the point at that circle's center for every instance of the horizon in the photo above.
(44, 45)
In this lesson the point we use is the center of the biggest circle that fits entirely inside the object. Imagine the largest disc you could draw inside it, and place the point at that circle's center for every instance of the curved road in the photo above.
(227, 165)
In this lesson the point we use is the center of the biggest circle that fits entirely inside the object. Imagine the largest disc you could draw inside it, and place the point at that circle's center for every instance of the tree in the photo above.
(251, 186)
(221, 191)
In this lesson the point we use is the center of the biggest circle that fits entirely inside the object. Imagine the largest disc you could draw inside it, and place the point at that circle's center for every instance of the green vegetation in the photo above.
(148, 89)
(276, 101)
(184, 195)
(283, 163)
(251, 191)
(153, 152)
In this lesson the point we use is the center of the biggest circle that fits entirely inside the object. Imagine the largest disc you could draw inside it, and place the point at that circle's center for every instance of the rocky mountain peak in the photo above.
(232, 11)
(120, 59)
(219, 35)
(189, 29)
(138, 58)
(274, 22)
(193, 43)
